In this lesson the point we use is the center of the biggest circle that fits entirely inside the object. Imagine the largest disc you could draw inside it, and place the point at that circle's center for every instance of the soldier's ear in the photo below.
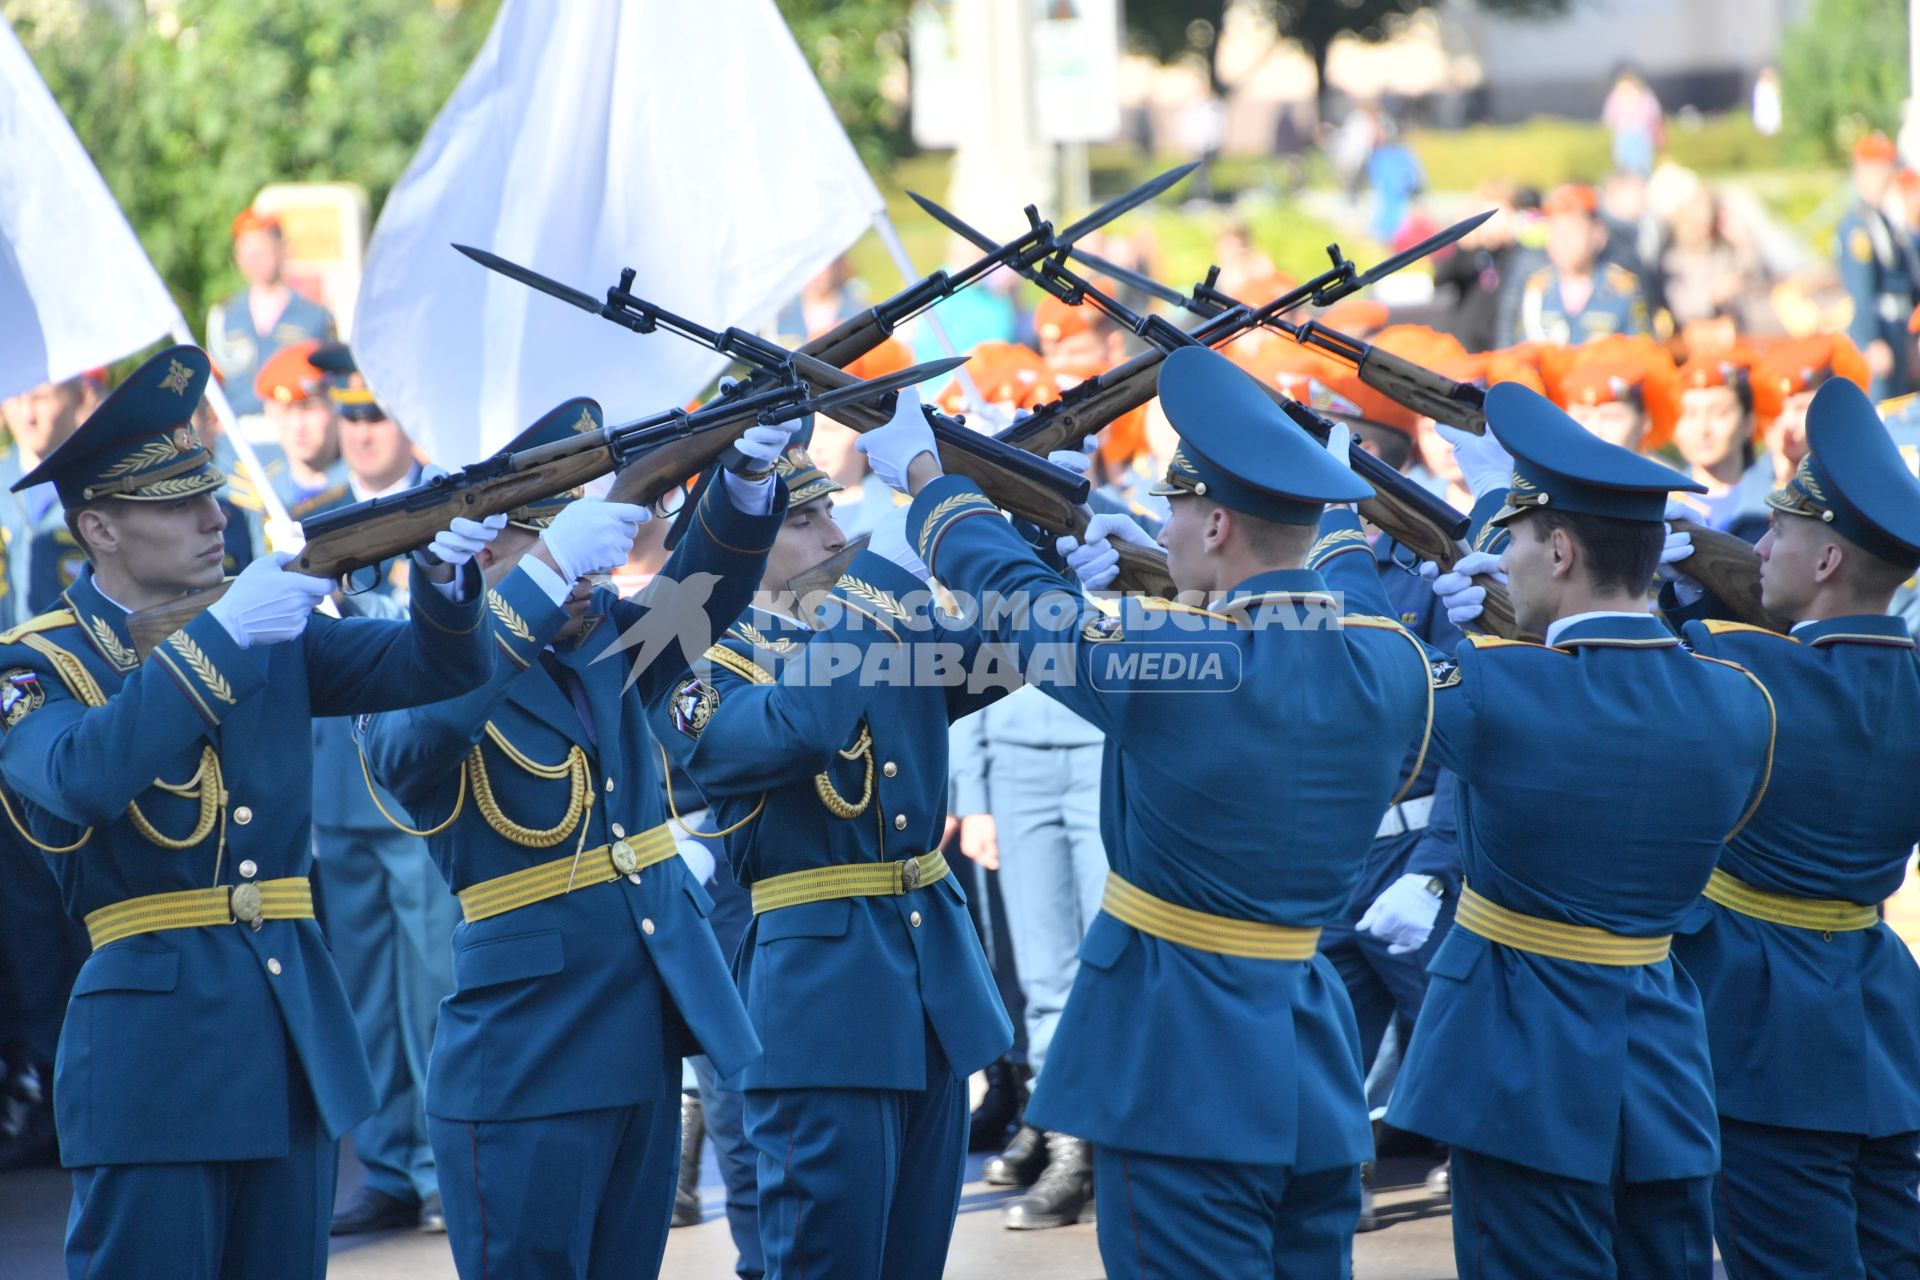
(95, 530)
(1565, 552)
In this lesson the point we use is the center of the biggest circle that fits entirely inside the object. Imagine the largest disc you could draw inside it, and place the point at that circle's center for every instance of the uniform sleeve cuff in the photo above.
(525, 618)
(210, 667)
(733, 530)
(936, 507)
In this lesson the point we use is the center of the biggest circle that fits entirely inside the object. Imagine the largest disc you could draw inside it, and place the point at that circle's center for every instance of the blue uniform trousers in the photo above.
(236, 1220)
(1167, 1219)
(1512, 1222)
(41, 950)
(860, 1184)
(1053, 870)
(1382, 986)
(389, 918)
(725, 1111)
(1810, 1205)
(598, 1210)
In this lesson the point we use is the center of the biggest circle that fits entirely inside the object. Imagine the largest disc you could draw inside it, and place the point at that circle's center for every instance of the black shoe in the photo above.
(433, 1218)
(375, 1211)
(1020, 1164)
(1064, 1192)
(1000, 1108)
(693, 1130)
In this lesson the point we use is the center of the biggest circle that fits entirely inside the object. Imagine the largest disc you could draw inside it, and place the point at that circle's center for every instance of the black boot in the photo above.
(1064, 1192)
(693, 1128)
(1020, 1164)
(1000, 1108)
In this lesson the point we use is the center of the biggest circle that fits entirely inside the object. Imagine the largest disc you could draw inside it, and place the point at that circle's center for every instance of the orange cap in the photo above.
(891, 356)
(1340, 391)
(254, 220)
(1913, 321)
(1125, 438)
(1875, 147)
(289, 374)
(1261, 290)
(1279, 361)
(1610, 369)
(1419, 343)
(1715, 369)
(1356, 317)
(1004, 372)
(1801, 364)
(1054, 319)
(1502, 366)
(1571, 197)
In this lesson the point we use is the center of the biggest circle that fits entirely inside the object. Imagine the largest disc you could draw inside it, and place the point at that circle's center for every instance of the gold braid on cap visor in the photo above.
(1802, 495)
(1525, 493)
(1181, 477)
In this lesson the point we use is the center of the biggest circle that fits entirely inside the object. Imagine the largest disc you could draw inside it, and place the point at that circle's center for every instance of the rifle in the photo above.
(651, 456)
(1400, 506)
(1012, 477)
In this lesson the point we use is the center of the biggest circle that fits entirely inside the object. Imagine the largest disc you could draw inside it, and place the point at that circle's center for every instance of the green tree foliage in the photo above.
(856, 47)
(1843, 71)
(189, 111)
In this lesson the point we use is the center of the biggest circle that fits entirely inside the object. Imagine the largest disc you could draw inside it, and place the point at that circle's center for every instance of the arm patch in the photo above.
(20, 692)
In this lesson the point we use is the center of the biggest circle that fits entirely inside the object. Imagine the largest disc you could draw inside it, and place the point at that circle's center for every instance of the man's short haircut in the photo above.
(1620, 555)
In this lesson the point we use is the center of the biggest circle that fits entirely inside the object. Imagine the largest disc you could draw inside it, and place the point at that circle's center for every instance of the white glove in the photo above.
(1460, 596)
(267, 603)
(461, 541)
(285, 535)
(1678, 546)
(888, 540)
(891, 449)
(1402, 915)
(1485, 464)
(1070, 460)
(1093, 559)
(1340, 449)
(590, 535)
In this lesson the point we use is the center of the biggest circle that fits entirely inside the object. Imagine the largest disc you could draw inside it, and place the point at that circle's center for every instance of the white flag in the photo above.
(76, 288)
(687, 141)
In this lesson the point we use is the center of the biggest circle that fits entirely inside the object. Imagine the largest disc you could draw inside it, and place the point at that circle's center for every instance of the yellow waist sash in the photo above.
(252, 903)
(1827, 915)
(855, 880)
(1575, 942)
(1222, 935)
(624, 857)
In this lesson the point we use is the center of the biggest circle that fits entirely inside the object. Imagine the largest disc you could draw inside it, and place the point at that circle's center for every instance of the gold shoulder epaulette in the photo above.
(1480, 641)
(1621, 278)
(1540, 279)
(1174, 606)
(1721, 626)
(738, 663)
(33, 626)
(1368, 620)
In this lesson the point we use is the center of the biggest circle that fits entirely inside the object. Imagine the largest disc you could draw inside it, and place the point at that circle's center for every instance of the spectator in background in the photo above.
(1706, 274)
(1632, 115)
(1350, 145)
(1634, 230)
(267, 314)
(1241, 262)
(1714, 436)
(1395, 175)
(1877, 267)
(1577, 296)
(831, 296)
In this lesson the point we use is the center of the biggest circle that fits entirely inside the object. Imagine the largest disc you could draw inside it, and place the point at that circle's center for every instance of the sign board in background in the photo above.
(1075, 52)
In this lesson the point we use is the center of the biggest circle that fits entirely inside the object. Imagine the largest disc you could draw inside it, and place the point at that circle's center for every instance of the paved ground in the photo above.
(1416, 1246)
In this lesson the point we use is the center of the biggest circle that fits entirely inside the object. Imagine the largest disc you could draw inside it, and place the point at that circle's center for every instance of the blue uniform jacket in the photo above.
(183, 1045)
(1876, 269)
(238, 349)
(1598, 779)
(1814, 1030)
(580, 1001)
(1618, 304)
(1255, 797)
(842, 991)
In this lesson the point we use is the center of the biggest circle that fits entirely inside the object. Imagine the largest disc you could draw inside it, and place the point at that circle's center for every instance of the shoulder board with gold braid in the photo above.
(1480, 641)
(45, 622)
(738, 663)
(1621, 279)
(1174, 606)
(1722, 626)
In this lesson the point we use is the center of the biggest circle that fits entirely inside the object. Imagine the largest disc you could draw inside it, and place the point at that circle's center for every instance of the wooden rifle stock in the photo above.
(1730, 570)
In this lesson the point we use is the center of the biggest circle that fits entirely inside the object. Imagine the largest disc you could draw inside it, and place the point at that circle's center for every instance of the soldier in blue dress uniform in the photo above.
(1877, 269)
(242, 338)
(1561, 1051)
(584, 966)
(1578, 296)
(1206, 942)
(1810, 997)
(171, 794)
(825, 764)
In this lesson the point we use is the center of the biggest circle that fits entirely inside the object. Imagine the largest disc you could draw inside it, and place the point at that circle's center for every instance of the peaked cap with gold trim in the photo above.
(140, 443)
(1853, 478)
(562, 422)
(1559, 464)
(805, 480)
